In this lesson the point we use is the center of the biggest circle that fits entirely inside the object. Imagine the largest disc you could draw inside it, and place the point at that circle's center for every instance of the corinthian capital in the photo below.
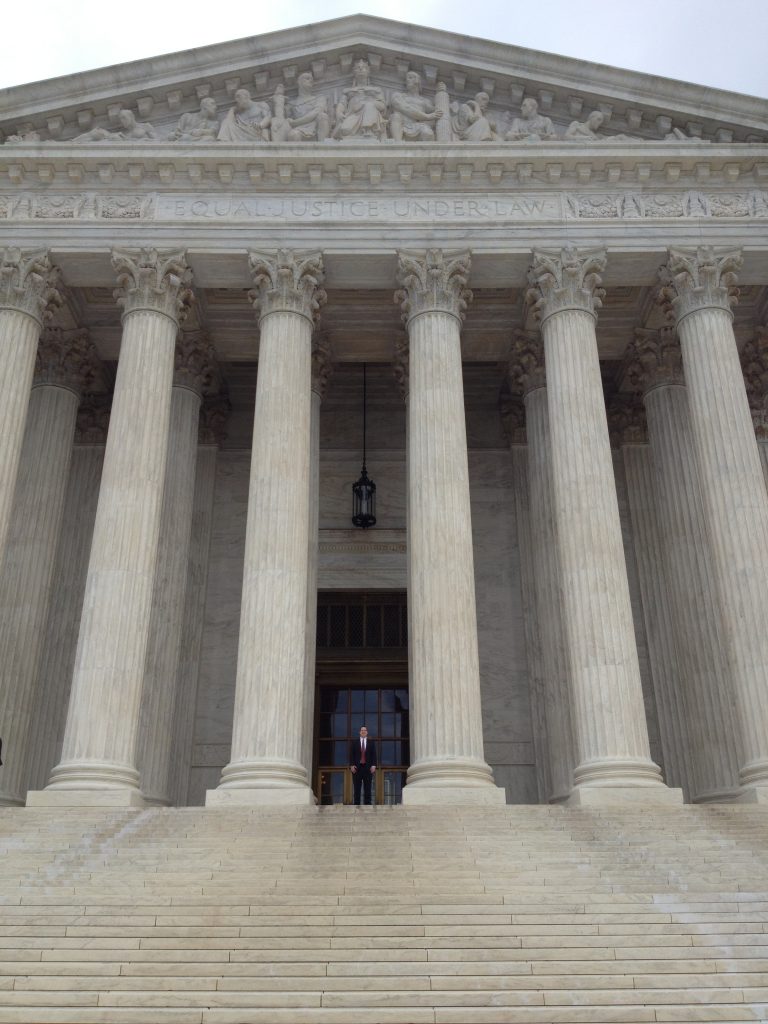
(195, 365)
(322, 365)
(153, 279)
(566, 278)
(287, 282)
(654, 358)
(702, 278)
(68, 359)
(28, 283)
(433, 281)
(526, 362)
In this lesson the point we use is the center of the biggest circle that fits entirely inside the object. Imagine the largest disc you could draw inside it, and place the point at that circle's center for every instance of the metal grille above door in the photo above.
(362, 621)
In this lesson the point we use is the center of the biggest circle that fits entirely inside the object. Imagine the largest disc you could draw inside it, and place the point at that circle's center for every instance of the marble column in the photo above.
(697, 285)
(527, 374)
(655, 367)
(211, 435)
(57, 660)
(266, 763)
(610, 731)
(512, 414)
(27, 295)
(66, 365)
(99, 751)
(195, 372)
(321, 371)
(654, 631)
(444, 676)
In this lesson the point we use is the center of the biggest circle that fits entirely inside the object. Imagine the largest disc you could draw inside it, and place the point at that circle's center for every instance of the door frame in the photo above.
(365, 668)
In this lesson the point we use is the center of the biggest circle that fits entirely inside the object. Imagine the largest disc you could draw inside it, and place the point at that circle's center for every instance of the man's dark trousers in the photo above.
(362, 779)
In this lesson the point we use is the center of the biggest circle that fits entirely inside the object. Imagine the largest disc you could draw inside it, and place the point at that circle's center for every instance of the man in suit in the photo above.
(362, 763)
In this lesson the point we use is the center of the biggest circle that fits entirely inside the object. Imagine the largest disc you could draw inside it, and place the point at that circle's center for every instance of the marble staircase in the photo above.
(526, 914)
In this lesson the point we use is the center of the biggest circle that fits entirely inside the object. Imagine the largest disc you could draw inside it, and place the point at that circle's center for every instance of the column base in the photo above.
(618, 773)
(85, 798)
(751, 795)
(754, 775)
(93, 775)
(455, 780)
(624, 796)
(252, 783)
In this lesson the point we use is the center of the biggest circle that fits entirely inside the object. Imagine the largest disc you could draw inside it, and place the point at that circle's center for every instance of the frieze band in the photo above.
(323, 209)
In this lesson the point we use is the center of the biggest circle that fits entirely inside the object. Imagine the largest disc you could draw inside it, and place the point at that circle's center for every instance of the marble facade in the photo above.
(566, 424)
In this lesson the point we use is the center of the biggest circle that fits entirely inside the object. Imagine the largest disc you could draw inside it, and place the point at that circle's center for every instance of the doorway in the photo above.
(362, 679)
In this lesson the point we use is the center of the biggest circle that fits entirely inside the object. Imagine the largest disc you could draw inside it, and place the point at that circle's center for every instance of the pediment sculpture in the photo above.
(362, 112)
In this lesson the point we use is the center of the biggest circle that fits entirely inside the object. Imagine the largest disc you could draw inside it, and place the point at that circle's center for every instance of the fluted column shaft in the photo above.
(533, 638)
(57, 660)
(25, 584)
(446, 712)
(194, 616)
(666, 663)
(732, 486)
(27, 294)
(549, 598)
(164, 645)
(102, 722)
(321, 368)
(706, 688)
(267, 761)
(611, 734)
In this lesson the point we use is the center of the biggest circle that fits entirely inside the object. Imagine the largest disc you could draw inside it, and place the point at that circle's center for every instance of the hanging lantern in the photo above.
(364, 489)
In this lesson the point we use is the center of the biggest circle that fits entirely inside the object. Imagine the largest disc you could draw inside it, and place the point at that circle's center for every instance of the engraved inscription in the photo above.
(333, 209)
(452, 208)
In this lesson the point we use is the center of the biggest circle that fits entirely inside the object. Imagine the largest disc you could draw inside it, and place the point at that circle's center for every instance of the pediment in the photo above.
(452, 69)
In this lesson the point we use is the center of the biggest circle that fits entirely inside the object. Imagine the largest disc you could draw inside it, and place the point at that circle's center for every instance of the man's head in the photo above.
(482, 99)
(208, 106)
(305, 81)
(363, 732)
(242, 99)
(529, 107)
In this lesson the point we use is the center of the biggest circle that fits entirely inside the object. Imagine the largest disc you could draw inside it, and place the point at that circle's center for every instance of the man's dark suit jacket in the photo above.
(370, 752)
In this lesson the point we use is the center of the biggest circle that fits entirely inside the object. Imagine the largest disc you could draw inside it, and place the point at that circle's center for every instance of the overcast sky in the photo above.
(722, 43)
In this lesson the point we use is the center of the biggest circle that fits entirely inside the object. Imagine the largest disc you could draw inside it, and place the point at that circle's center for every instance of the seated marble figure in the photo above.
(360, 114)
(472, 122)
(304, 119)
(532, 126)
(198, 126)
(413, 115)
(247, 121)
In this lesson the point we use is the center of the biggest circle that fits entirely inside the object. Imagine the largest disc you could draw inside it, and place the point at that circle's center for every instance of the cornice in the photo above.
(334, 166)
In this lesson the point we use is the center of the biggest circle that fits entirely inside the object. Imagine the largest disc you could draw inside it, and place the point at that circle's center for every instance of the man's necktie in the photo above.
(362, 752)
